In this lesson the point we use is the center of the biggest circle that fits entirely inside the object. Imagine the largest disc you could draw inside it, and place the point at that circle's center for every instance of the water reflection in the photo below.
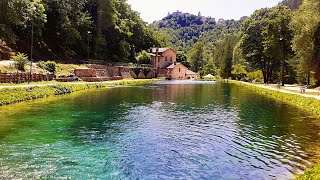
(161, 131)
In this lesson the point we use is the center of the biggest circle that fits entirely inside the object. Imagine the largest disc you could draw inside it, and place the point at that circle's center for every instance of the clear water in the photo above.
(160, 131)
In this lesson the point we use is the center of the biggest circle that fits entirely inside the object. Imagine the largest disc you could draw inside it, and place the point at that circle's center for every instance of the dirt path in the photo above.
(290, 89)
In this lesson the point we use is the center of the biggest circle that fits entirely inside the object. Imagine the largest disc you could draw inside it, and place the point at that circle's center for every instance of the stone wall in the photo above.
(104, 73)
(100, 79)
(85, 72)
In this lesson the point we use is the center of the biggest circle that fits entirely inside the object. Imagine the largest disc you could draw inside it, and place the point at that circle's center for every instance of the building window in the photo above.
(166, 58)
(179, 69)
(171, 59)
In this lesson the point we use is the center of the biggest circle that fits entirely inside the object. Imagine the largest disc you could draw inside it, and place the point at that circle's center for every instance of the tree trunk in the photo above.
(282, 72)
(265, 80)
(308, 79)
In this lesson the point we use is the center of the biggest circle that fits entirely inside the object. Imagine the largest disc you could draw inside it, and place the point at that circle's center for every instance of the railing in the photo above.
(24, 77)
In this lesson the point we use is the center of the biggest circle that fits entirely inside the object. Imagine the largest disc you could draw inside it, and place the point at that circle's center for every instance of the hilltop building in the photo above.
(222, 22)
(164, 63)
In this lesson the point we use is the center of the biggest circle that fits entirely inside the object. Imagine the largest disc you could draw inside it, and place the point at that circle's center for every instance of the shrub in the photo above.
(256, 76)
(239, 71)
(20, 60)
(49, 66)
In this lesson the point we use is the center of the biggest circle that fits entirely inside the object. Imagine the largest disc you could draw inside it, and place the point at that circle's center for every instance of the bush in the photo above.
(256, 76)
(239, 71)
(20, 60)
(49, 66)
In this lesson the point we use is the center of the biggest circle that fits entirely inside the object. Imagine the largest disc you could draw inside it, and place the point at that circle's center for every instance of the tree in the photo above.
(20, 60)
(143, 58)
(239, 71)
(237, 55)
(223, 54)
(305, 25)
(196, 57)
(183, 58)
(16, 17)
(210, 68)
(266, 40)
(277, 37)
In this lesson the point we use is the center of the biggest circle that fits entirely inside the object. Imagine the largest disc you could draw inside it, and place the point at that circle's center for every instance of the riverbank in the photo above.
(14, 94)
(307, 102)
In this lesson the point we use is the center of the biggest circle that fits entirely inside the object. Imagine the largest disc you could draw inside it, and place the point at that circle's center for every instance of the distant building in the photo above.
(164, 63)
(222, 22)
(176, 14)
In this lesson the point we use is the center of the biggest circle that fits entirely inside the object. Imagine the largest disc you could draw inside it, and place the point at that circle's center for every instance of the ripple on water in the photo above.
(140, 134)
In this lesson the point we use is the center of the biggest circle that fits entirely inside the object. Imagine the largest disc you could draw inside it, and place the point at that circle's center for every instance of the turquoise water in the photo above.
(160, 131)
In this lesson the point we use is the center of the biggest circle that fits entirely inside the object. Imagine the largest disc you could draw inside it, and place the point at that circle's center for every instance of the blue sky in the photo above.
(151, 10)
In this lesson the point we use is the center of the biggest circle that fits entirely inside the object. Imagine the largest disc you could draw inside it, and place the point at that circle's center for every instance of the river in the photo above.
(158, 131)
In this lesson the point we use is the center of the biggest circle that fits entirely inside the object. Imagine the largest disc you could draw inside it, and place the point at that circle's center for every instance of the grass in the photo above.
(67, 69)
(18, 94)
(61, 69)
(311, 174)
(31, 83)
(310, 105)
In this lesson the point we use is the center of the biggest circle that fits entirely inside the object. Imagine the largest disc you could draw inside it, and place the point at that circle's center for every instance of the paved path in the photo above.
(290, 89)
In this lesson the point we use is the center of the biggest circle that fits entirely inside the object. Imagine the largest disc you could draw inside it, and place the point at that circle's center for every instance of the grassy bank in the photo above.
(13, 95)
(311, 174)
(310, 105)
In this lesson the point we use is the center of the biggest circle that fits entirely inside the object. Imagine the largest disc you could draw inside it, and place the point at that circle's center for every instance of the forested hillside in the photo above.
(63, 29)
(184, 29)
(277, 44)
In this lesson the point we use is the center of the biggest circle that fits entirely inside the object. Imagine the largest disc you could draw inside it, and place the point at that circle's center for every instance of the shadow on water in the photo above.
(160, 131)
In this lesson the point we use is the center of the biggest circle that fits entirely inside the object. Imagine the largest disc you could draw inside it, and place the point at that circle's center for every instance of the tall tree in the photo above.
(16, 17)
(305, 25)
(251, 43)
(266, 40)
(277, 37)
(196, 57)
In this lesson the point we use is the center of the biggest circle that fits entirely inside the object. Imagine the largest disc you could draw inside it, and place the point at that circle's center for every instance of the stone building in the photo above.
(164, 64)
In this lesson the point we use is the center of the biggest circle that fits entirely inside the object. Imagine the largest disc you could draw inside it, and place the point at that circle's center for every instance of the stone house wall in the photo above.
(168, 57)
(178, 72)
